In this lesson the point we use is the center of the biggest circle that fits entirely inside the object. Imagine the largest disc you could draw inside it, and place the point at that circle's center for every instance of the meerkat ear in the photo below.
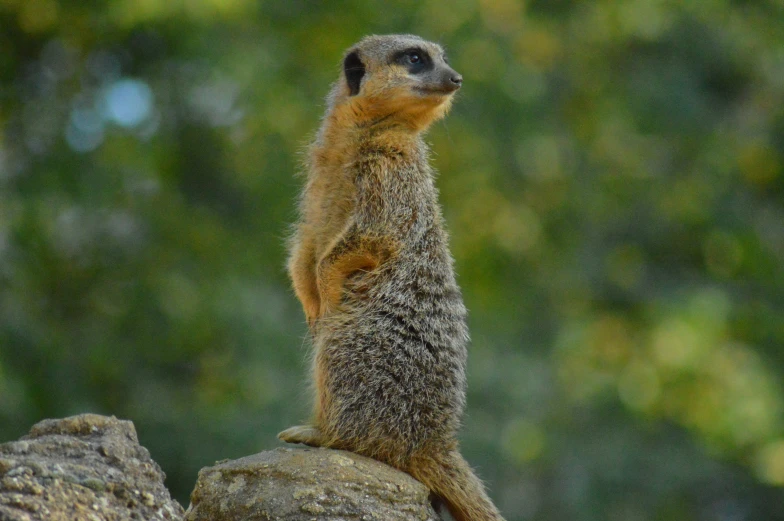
(354, 70)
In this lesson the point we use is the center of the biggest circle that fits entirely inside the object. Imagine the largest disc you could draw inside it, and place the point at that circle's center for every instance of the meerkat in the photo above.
(370, 263)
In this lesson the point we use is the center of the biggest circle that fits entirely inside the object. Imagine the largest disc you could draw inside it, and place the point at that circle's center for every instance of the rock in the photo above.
(85, 467)
(305, 484)
(92, 468)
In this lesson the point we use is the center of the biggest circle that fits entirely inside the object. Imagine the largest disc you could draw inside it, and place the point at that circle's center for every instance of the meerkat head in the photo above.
(396, 79)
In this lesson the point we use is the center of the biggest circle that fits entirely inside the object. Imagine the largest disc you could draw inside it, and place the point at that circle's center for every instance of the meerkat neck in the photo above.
(339, 138)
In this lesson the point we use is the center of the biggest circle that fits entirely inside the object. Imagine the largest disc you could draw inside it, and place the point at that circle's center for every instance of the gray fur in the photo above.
(403, 379)
(370, 262)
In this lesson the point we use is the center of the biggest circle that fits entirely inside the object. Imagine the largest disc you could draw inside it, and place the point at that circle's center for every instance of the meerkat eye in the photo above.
(415, 60)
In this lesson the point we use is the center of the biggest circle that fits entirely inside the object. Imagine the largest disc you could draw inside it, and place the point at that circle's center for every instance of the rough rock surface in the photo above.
(85, 467)
(306, 484)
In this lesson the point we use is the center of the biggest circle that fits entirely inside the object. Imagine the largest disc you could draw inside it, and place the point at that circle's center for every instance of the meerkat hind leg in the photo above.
(307, 434)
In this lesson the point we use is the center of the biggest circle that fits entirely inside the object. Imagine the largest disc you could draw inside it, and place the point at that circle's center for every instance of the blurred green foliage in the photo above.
(612, 178)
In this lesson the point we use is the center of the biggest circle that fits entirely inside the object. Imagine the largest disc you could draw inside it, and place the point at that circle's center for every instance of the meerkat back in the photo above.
(371, 265)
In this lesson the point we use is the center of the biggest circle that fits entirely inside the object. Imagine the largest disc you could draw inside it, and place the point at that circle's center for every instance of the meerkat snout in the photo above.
(453, 80)
(441, 79)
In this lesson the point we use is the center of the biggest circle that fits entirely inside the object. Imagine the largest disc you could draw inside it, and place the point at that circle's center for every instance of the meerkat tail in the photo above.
(450, 478)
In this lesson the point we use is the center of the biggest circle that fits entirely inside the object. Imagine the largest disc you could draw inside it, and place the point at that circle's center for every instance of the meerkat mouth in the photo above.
(433, 91)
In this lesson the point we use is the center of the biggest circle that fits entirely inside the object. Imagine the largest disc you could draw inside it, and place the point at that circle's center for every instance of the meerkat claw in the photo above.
(305, 434)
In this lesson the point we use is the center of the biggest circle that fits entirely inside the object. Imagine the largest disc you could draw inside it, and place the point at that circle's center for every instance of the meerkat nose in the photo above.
(451, 80)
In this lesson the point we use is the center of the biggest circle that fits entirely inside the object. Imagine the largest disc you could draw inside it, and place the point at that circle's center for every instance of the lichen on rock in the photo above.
(85, 467)
(92, 468)
(305, 484)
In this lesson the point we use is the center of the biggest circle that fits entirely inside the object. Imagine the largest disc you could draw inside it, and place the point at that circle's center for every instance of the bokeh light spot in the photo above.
(81, 140)
(770, 463)
(523, 440)
(517, 228)
(638, 386)
(37, 16)
(677, 344)
(759, 164)
(128, 102)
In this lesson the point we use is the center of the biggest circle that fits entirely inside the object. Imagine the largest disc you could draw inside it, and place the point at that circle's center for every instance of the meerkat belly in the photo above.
(402, 379)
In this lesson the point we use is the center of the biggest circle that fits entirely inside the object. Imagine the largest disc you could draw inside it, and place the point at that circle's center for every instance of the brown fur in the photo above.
(371, 265)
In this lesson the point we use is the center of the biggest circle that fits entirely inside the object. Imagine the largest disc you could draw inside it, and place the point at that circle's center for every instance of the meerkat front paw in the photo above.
(307, 434)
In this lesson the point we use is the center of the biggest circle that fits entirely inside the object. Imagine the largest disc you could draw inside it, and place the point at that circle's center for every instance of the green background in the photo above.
(611, 174)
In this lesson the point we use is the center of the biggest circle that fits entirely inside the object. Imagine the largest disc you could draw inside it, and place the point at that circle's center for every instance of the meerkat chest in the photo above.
(399, 192)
